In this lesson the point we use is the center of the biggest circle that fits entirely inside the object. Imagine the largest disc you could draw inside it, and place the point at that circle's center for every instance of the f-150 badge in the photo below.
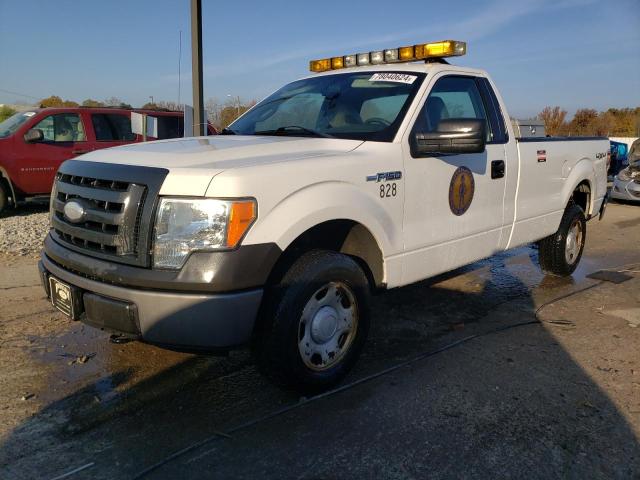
(461, 190)
(384, 177)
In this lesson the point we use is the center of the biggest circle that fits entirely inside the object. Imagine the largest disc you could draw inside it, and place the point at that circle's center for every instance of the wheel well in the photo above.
(344, 236)
(6, 183)
(581, 196)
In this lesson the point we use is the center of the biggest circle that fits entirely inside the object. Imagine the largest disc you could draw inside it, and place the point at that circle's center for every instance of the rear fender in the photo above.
(583, 170)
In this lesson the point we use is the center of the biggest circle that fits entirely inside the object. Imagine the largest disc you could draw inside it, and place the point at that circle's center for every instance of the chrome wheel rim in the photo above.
(328, 326)
(573, 243)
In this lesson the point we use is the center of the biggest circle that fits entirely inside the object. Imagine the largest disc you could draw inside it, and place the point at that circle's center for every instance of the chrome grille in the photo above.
(112, 218)
(119, 202)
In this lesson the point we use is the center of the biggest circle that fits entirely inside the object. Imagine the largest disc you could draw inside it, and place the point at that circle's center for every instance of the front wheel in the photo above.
(560, 253)
(315, 322)
(4, 196)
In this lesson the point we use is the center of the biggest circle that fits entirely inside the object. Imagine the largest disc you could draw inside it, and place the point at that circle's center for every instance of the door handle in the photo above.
(497, 169)
(79, 152)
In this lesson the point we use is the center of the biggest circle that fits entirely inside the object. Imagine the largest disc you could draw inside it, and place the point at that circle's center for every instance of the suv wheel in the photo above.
(560, 253)
(315, 322)
(4, 196)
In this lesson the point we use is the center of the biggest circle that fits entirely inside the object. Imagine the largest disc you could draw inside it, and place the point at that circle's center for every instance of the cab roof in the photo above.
(420, 66)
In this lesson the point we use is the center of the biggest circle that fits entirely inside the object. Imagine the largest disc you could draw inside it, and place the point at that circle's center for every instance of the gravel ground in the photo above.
(22, 230)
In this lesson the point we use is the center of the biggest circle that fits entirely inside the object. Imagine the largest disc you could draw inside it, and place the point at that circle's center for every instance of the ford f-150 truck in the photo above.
(379, 170)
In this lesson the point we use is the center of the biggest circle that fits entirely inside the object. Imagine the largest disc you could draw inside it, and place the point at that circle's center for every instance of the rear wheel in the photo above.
(560, 253)
(315, 322)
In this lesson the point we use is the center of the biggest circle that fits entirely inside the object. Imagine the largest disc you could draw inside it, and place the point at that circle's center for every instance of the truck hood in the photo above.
(193, 162)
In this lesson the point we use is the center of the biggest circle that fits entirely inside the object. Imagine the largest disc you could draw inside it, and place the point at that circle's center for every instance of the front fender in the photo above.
(321, 202)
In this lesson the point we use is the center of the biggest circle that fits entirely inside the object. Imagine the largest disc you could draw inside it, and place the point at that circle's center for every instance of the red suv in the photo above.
(33, 144)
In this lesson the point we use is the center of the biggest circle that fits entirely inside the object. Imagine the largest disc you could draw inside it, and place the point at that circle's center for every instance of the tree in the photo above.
(168, 105)
(229, 113)
(583, 122)
(6, 112)
(624, 122)
(112, 102)
(52, 101)
(554, 120)
(56, 101)
(89, 102)
(163, 105)
(212, 106)
(614, 122)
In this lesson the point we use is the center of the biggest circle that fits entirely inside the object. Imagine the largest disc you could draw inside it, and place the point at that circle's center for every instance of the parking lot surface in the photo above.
(493, 370)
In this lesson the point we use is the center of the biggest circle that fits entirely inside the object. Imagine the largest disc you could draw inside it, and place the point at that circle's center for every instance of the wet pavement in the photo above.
(515, 397)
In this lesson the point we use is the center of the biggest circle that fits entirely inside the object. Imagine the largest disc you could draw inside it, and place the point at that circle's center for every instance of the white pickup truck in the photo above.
(379, 170)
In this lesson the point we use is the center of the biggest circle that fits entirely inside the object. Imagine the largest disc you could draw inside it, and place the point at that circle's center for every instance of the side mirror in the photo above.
(454, 135)
(34, 135)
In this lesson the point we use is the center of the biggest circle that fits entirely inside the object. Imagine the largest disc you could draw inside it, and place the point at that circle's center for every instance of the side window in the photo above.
(452, 97)
(112, 127)
(62, 127)
(170, 126)
(496, 119)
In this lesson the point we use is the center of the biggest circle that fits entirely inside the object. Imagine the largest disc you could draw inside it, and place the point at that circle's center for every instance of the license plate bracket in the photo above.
(63, 297)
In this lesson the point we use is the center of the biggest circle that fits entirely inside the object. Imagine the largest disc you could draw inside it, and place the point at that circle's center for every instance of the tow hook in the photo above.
(120, 339)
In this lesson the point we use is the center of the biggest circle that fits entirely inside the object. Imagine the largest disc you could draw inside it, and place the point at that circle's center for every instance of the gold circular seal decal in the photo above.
(461, 190)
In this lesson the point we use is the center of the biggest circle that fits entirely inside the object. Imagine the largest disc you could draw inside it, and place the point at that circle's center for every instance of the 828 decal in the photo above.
(388, 188)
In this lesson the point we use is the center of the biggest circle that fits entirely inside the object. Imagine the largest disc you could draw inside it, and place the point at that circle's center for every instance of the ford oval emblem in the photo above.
(74, 211)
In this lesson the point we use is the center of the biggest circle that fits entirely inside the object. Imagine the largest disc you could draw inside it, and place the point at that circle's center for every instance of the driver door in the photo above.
(64, 138)
(454, 209)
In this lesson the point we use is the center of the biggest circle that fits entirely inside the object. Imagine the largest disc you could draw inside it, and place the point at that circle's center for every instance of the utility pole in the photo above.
(179, 66)
(199, 121)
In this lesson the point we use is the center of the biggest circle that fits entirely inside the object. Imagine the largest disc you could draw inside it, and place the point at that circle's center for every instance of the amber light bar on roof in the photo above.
(421, 51)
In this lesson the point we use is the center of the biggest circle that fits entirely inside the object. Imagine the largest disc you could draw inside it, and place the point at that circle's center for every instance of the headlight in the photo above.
(186, 225)
(52, 200)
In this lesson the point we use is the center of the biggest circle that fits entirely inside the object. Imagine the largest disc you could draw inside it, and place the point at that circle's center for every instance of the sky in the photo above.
(571, 53)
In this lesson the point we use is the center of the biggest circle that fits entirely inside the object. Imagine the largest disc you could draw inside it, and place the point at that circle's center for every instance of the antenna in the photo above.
(179, 60)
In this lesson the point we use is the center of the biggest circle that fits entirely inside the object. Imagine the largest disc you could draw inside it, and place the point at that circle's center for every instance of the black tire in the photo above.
(4, 196)
(282, 326)
(553, 253)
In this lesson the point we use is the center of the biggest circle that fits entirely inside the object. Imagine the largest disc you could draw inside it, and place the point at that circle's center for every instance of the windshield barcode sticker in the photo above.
(393, 77)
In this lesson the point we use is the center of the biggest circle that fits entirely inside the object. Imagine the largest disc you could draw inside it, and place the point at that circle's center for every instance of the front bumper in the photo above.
(173, 319)
(629, 190)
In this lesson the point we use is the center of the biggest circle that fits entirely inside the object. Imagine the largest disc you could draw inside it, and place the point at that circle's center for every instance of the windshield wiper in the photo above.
(288, 128)
(227, 131)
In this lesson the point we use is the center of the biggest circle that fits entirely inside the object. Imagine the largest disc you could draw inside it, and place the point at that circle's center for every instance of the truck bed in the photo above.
(547, 169)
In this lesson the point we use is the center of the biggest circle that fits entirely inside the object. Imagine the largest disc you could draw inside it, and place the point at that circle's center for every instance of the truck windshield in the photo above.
(359, 106)
(13, 123)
